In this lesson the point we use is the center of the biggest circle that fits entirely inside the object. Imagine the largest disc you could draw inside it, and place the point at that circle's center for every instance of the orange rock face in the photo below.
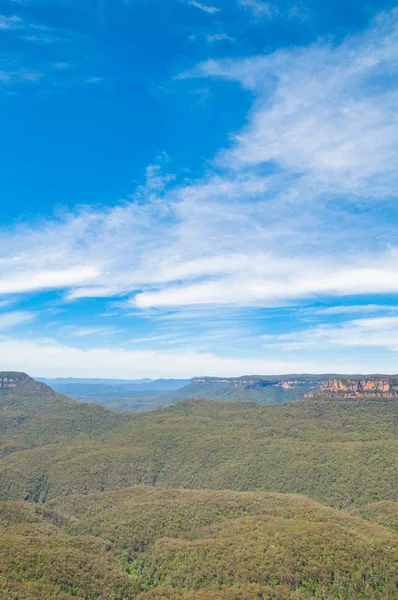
(354, 388)
(7, 382)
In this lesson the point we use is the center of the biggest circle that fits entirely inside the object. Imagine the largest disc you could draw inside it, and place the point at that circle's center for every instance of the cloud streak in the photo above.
(12, 319)
(204, 7)
(22, 64)
(260, 9)
(46, 279)
(12, 22)
(51, 359)
(377, 332)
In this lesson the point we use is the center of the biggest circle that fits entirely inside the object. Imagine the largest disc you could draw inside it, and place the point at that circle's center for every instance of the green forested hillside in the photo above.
(39, 560)
(384, 512)
(154, 543)
(339, 452)
(198, 501)
(33, 414)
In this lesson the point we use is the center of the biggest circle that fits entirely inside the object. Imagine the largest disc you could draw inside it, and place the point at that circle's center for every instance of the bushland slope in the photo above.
(32, 414)
(341, 452)
(153, 543)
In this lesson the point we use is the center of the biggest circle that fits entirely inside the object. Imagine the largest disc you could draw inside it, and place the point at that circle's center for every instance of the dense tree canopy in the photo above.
(197, 501)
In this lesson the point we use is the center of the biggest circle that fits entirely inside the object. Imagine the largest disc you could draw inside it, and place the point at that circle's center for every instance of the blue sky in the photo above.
(198, 188)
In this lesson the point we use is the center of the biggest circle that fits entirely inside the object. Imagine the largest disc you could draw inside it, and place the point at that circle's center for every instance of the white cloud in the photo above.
(201, 244)
(4, 303)
(12, 22)
(356, 308)
(50, 279)
(274, 221)
(327, 114)
(268, 11)
(375, 332)
(46, 358)
(94, 80)
(275, 282)
(91, 331)
(205, 7)
(280, 218)
(260, 9)
(41, 38)
(10, 76)
(219, 37)
(18, 67)
(11, 319)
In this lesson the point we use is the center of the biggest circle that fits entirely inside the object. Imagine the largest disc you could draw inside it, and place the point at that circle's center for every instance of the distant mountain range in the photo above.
(128, 395)
(91, 381)
(147, 394)
(125, 385)
(250, 388)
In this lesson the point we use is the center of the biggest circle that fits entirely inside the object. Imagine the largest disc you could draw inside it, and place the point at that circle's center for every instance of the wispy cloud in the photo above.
(12, 319)
(37, 280)
(321, 112)
(354, 309)
(94, 80)
(260, 9)
(12, 22)
(374, 332)
(19, 66)
(298, 208)
(219, 37)
(268, 11)
(42, 38)
(274, 282)
(204, 7)
(275, 219)
(61, 65)
(11, 75)
(92, 332)
(4, 303)
(29, 31)
(54, 359)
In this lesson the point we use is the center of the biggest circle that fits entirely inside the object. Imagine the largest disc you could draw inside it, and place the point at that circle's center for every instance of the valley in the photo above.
(198, 500)
(140, 396)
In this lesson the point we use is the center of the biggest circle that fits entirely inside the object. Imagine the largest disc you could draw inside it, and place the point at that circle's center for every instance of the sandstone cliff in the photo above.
(10, 379)
(377, 387)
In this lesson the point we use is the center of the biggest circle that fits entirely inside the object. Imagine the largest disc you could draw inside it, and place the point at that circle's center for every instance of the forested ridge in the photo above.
(199, 500)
